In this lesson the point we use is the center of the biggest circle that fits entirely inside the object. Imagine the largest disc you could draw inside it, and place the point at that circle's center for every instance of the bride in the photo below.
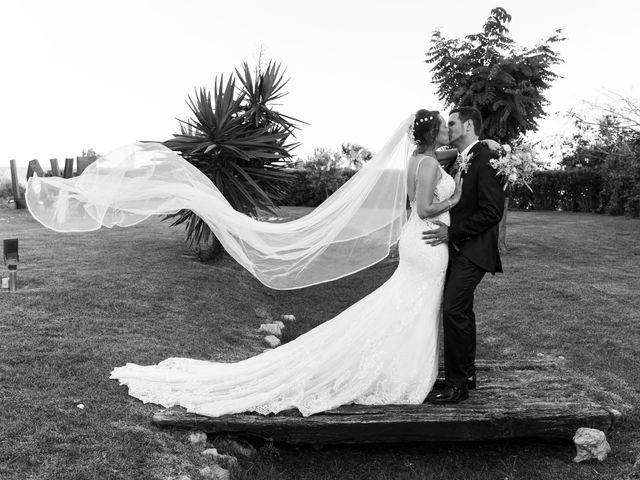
(381, 350)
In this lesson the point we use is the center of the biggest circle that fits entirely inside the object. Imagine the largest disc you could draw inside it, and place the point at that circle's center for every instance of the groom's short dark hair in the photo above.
(470, 113)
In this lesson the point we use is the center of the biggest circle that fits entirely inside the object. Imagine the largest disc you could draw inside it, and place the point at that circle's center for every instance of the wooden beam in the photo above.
(466, 421)
(68, 168)
(514, 399)
(55, 168)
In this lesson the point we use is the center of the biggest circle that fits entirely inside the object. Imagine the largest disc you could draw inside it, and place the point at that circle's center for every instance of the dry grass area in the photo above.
(90, 302)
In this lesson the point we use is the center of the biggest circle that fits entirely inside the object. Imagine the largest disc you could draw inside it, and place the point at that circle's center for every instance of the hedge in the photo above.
(568, 190)
(309, 188)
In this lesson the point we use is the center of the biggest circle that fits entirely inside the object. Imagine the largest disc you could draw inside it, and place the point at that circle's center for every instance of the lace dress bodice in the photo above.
(444, 189)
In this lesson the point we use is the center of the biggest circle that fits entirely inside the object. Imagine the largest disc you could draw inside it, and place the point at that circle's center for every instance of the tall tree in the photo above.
(238, 140)
(488, 71)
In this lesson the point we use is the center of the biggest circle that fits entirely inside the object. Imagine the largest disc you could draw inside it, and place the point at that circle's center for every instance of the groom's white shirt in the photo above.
(466, 151)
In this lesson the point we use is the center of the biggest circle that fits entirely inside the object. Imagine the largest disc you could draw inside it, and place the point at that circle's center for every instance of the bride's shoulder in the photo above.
(418, 155)
(424, 159)
(423, 164)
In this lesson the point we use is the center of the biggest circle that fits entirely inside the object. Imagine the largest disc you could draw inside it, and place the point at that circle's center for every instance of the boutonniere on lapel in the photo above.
(463, 162)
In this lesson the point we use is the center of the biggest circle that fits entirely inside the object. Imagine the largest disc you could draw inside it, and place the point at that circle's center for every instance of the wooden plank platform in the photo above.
(514, 399)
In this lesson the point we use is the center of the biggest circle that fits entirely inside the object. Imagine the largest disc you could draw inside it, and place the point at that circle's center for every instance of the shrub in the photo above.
(6, 188)
(621, 181)
(583, 191)
(570, 190)
(322, 173)
(311, 187)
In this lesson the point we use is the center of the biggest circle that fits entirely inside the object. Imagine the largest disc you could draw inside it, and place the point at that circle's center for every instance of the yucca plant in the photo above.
(239, 141)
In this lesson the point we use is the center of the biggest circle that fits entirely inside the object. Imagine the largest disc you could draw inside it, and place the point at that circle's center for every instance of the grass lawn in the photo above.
(90, 302)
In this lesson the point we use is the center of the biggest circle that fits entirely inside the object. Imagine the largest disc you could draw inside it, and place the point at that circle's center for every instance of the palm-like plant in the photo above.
(237, 140)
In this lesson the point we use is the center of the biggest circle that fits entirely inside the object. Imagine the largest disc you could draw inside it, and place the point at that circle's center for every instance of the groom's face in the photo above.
(455, 128)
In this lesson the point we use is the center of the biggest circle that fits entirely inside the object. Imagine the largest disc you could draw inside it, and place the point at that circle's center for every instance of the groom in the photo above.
(473, 251)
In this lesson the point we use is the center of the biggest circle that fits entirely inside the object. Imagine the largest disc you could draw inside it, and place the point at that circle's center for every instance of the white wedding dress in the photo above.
(381, 350)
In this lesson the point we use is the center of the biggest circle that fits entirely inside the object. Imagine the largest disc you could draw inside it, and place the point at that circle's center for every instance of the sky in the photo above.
(80, 74)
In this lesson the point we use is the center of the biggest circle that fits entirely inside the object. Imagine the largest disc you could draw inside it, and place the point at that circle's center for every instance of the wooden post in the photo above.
(15, 186)
(55, 168)
(83, 162)
(68, 168)
(34, 167)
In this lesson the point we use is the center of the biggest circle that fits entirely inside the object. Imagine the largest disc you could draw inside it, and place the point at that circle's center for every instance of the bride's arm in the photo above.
(446, 156)
(426, 205)
(491, 144)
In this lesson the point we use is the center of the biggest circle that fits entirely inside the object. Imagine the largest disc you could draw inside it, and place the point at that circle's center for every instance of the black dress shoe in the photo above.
(450, 395)
(472, 383)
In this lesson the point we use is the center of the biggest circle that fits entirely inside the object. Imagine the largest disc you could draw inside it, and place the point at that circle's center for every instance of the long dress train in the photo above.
(381, 350)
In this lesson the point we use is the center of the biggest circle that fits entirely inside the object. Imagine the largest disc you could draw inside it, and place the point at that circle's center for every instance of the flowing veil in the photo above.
(353, 229)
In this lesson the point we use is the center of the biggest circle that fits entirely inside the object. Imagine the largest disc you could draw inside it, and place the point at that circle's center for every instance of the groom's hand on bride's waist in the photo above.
(436, 236)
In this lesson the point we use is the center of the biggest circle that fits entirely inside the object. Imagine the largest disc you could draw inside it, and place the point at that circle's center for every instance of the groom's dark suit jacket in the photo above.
(475, 219)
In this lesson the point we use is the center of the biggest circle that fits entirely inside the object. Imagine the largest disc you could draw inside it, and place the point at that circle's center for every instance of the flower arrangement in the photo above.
(516, 164)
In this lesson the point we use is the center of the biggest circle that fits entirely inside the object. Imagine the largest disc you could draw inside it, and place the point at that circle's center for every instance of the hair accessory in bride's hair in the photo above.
(423, 117)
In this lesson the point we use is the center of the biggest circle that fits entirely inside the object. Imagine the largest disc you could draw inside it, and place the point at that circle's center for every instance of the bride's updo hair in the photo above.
(425, 129)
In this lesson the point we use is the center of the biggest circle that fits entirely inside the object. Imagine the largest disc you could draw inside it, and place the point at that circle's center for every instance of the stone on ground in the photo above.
(215, 472)
(272, 340)
(227, 461)
(590, 444)
(197, 437)
(288, 318)
(271, 329)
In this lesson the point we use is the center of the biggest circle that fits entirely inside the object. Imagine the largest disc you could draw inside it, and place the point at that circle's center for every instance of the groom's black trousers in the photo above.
(458, 319)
